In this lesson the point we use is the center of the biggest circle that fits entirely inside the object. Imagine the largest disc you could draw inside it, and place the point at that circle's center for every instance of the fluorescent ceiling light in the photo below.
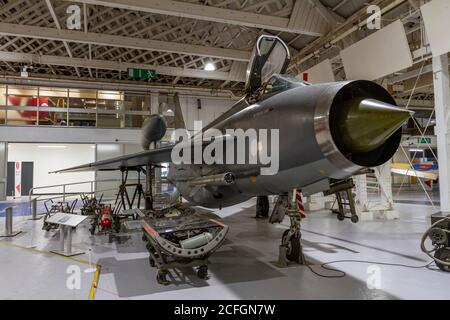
(416, 150)
(52, 146)
(210, 66)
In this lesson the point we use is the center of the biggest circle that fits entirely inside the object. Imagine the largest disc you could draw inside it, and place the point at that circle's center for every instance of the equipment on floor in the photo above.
(262, 207)
(343, 189)
(123, 201)
(90, 204)
(104, 220)
(61, 206)
(179, 237)
(439, 234)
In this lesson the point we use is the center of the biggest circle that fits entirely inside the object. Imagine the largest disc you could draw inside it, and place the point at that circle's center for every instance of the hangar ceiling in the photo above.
(176, 38)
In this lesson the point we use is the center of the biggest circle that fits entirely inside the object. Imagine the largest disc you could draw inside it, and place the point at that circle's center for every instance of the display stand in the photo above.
(67, 222)
(9, 233)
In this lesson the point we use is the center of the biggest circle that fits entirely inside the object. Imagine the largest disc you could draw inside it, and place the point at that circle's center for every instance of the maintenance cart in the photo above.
(179, 237)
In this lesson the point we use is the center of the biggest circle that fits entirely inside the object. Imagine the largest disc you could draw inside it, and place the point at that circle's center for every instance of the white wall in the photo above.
(54, 158)
(211, 109)
(51, 159)
(3, 161)
(45, 134)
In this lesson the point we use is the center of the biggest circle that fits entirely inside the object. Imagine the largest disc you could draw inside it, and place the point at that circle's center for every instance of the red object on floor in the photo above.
(106, 219)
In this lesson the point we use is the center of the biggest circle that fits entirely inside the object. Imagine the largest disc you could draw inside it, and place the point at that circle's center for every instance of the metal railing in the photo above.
(62, 192)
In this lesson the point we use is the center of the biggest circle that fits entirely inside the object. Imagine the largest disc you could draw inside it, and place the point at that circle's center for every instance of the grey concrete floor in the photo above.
(242, 269)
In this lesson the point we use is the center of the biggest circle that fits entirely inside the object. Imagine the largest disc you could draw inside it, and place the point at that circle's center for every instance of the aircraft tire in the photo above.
(202, 272)
(444, 255)
(293, 247)
(161, 277)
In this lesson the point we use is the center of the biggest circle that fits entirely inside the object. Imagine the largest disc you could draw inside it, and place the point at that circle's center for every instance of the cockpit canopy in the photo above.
(270, 56)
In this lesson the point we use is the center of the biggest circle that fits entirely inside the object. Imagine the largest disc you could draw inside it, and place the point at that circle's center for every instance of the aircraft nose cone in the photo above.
(368, 123)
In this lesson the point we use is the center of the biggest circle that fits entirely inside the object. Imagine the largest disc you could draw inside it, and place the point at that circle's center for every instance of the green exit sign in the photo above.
(142, 74)
(424, 140)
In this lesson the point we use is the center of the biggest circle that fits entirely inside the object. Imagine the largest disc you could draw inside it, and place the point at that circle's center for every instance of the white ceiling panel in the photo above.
(382, 53)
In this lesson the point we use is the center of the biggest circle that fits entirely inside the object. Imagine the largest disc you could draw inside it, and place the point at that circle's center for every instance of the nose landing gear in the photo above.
(291, 247)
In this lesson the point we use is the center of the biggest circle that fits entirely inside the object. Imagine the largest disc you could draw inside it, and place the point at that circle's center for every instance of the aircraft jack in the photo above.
(291, 249)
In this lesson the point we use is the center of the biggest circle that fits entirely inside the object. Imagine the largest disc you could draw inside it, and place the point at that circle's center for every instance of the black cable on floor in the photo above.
(342, 274)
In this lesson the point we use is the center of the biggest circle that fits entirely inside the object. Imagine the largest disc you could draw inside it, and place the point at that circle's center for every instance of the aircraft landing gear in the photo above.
(262, 207)
(291, 247)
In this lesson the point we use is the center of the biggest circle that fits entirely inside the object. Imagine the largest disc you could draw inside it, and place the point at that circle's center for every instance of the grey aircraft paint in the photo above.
(327, 131)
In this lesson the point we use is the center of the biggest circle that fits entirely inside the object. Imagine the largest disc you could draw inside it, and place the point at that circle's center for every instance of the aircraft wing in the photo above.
(407, 170)
(143, 158)
(154, 156)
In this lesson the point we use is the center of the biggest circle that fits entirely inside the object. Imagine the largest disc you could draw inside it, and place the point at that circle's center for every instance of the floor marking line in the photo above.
(95, 282)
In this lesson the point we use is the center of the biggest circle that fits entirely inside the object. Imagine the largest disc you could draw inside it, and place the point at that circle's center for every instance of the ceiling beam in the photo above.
(411, 74)
(331, 17)
(17, 30)
(118, 66)
(209, 13)
(415, 103)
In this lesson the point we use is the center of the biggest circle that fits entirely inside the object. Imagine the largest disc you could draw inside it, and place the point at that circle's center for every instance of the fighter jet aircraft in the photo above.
(327, 133)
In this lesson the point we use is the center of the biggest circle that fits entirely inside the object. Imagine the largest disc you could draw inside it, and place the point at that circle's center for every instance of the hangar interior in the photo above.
(78, 79)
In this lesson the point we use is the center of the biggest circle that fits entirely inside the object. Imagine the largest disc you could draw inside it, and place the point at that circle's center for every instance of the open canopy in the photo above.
(270, 56)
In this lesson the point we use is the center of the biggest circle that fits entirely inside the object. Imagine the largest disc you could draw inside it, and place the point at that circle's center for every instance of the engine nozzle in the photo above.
(365, 124)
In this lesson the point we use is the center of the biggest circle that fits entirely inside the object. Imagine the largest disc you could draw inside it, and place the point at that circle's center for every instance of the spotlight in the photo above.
(210, 66)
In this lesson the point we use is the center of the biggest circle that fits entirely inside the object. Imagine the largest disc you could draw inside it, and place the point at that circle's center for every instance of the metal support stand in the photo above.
(9, 233)
(148, 189)
(441, 81)
(123, 201)
(62, 251)
(33, 208)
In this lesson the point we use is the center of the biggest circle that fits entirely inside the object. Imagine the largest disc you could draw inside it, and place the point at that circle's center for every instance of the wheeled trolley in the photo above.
(179, 237)
(439, 234)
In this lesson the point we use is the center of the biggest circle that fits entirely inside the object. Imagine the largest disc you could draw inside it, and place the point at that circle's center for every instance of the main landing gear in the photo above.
(291, 248)
(262, 207)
